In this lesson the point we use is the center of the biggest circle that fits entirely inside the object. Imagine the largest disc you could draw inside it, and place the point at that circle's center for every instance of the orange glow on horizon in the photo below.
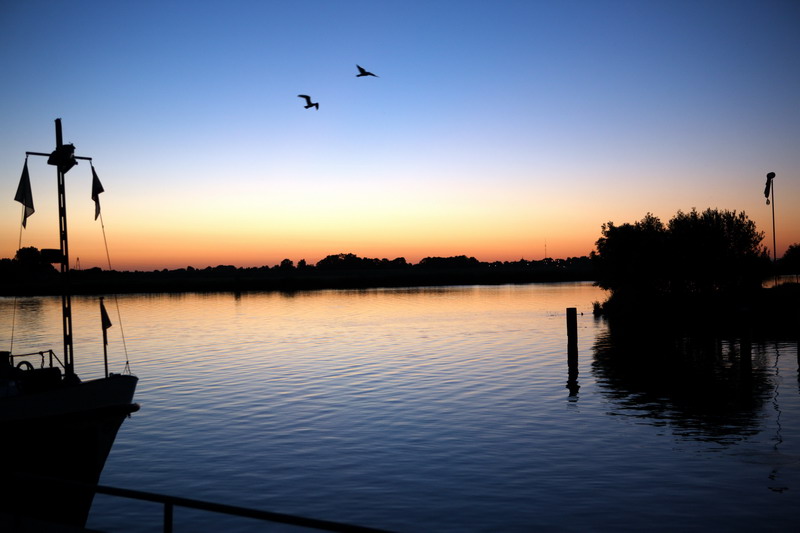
(210, 225)
(157, 245)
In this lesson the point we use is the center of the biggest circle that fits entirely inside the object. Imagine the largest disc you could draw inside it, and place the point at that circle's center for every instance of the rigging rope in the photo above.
(127, 369)
(14, 308)
(116, 304)
(19, 246)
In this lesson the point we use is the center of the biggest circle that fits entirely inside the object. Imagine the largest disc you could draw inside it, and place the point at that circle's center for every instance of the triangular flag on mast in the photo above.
(97, 188)
(104, 320)
(24, 194)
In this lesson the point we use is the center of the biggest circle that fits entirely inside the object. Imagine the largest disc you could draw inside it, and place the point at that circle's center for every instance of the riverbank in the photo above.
(231, 279)
(767, 312)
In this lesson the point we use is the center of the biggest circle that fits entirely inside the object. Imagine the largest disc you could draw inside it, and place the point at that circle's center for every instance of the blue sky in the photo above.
(494, 127)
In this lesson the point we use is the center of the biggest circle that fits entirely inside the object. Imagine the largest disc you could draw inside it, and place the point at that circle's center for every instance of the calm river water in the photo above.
(436, 409)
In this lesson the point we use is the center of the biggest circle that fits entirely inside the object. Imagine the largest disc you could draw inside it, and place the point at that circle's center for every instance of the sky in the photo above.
(501, 130)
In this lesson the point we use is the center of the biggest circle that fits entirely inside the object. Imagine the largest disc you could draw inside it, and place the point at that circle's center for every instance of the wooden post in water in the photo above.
(572, 326)
(572, 351)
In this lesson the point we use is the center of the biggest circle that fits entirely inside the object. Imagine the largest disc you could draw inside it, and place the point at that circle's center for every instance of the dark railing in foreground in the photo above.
(170, 502)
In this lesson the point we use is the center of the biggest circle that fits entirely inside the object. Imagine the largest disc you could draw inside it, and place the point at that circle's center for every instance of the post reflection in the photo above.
(572, 372)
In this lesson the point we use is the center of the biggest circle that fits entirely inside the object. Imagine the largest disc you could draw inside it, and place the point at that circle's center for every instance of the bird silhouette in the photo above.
(309, 103)
(364, 72)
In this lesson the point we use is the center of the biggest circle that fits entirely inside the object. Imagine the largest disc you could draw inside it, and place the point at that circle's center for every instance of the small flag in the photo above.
(97, 188)
(768, 186)
(24, 194)
(104, 320)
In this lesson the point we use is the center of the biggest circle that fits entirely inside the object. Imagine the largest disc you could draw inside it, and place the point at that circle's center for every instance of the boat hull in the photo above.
(59, 436)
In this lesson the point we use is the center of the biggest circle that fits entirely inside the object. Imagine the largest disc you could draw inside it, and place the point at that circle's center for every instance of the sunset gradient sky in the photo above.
(495, 128)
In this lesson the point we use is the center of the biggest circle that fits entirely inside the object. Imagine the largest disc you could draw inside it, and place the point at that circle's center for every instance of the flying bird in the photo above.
(364, 72)
(309, 103)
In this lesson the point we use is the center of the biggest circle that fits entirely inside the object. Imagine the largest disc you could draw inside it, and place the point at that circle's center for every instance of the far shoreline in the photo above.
(230, 279)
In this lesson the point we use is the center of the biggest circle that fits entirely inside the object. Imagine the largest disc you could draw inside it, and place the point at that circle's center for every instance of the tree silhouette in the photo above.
(459, 261)
(696, 255)
(354, 262)
(715, 251)
(790, 262)
(630, 258)
(341, 262)
(31, 264)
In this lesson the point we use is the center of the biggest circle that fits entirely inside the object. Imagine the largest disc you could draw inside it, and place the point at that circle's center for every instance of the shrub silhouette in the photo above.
(630, 258)
(695, 255)
(790, 262)
(29, 264)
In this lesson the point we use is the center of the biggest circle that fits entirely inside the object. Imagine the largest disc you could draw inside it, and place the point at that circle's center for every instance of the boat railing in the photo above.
(170, 502)
(23, 358)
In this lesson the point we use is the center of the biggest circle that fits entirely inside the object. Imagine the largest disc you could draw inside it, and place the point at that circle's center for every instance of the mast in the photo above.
(64, 158)
(66, 297)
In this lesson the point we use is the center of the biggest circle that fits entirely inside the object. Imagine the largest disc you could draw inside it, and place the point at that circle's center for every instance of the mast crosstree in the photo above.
(63, 158)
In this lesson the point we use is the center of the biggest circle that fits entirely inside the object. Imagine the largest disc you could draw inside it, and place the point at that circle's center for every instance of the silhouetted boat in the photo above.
(55, 427)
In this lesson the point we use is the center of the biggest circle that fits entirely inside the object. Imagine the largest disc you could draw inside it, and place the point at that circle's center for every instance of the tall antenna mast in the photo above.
(66, 299)
(63, 158)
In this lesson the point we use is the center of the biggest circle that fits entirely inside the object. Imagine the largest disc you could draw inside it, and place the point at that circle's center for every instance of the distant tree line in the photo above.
(29, 272)
(696, 255)
(30, 261)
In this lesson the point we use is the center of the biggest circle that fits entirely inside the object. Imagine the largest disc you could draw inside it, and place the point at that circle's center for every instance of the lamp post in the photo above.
(769, 190)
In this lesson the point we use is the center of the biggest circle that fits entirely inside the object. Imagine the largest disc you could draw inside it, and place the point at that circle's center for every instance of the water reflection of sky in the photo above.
(446, 408)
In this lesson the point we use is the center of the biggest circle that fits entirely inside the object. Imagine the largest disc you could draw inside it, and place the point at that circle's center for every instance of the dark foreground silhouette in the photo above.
(698, 273)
